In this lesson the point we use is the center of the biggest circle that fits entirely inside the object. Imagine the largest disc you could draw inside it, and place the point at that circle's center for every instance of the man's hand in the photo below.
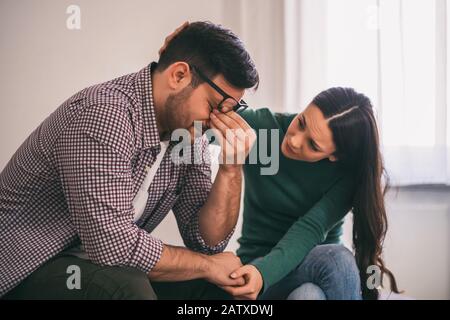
(220, 266)
(235, 135)
(253, 283)
(181, 264)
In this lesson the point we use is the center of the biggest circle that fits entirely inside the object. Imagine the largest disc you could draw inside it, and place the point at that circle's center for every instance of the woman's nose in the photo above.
(296, 141)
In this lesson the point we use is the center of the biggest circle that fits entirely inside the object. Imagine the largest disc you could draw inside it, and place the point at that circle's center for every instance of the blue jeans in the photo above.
(328, 272)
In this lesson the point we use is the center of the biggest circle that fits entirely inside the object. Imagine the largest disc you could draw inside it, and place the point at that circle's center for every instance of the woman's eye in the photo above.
(300, 124)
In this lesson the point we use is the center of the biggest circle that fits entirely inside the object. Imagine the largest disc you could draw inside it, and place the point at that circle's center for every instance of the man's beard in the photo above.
(175, 116)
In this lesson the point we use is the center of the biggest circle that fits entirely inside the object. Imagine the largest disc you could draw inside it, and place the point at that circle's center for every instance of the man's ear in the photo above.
(332, 158)
(179, 75)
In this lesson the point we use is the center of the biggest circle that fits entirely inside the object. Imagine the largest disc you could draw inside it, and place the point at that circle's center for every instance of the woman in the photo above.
(330, 164)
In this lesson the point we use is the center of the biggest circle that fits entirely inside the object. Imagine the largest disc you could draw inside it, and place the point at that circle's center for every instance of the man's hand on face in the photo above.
(220, 267)
(236, 138)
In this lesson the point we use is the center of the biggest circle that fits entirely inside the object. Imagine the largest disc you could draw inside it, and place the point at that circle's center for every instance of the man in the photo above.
(69, 195)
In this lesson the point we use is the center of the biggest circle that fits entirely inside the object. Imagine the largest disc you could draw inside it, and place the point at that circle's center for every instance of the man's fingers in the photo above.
(243, 133)
(237, 142)
(226, 140)
(223, 128)
(238, 282)
(240, 272)
(238, 291)
(238, 119)
(237, 124)
(226, 109)
(226, 143)
(229, 122)
(218, 123)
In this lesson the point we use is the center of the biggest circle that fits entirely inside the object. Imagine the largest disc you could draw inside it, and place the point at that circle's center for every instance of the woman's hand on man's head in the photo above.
(171, 36)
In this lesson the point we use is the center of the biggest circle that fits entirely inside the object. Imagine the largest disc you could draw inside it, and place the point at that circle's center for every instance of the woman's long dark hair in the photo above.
(355, 133)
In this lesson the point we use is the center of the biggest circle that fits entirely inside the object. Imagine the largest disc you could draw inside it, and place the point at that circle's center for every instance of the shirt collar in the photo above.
(150, 135)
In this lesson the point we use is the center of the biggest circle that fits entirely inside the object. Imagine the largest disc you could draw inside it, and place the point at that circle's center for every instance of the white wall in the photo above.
(42, 62)
(417, 246)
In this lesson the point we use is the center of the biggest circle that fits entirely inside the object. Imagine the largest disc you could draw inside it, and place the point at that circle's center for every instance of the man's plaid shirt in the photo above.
(74, 179)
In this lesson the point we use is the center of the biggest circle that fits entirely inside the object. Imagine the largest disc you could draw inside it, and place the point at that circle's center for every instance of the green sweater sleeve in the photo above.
(307, 232)
(249, 115)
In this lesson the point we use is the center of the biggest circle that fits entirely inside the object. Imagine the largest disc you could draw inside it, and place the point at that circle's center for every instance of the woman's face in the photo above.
(308, 137)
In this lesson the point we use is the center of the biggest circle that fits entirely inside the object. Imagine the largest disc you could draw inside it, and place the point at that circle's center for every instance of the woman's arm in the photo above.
(307, 232)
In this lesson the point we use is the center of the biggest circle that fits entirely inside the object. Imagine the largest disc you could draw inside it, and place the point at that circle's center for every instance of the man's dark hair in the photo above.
(214, 50)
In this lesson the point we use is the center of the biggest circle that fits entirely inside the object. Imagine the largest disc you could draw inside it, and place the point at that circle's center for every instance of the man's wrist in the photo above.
(205, 266)
(230, 169)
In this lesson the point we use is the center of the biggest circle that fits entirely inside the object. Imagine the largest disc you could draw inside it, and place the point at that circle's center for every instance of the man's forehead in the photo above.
(220, 81)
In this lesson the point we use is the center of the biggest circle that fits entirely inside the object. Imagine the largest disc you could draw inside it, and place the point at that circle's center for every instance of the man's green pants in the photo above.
(51, 281)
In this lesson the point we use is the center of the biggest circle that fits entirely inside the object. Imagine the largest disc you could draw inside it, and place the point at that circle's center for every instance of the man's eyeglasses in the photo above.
(227, 100)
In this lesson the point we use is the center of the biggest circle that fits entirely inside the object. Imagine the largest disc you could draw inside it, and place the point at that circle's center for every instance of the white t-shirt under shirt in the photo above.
(140, 199)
